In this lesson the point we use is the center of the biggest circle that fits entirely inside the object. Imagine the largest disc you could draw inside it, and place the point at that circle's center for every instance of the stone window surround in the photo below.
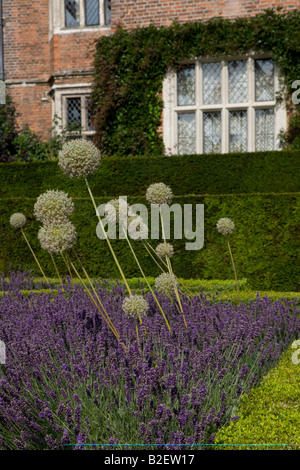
(59, 95)
(57, 19)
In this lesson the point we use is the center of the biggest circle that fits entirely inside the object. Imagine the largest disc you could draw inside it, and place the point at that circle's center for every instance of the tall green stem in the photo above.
(146, 280)
(107, 239)
(234, 270)
(36, 260)
(171, 270)
(56, 269)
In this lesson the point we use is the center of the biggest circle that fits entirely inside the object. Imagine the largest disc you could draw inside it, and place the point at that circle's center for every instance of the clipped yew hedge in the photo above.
(259, 191)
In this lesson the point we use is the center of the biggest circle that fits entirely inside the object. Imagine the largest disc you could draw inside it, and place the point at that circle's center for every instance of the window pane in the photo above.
(186, 86)
(73, 113)
(107, 11)
(72, 13)
(211, 83)
(89, 124)
(212, 132)
(264, 129)
(91, 12)
(264, 80)
(186, 133)
(237, 77)
(238, 131)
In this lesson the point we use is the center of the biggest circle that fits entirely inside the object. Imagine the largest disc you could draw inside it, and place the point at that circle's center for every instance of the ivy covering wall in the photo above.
(130, 67)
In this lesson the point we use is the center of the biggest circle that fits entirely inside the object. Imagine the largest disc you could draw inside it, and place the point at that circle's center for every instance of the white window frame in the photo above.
(60, 93)
(57, 18)
(171, 109)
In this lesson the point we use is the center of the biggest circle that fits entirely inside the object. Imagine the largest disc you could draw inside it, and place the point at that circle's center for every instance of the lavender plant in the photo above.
(68, 381)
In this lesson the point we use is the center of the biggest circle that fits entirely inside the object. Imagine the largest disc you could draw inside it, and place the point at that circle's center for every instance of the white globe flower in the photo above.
(78, 158)
(166, 283)
(159, 193)
(225, 226)
(164, 250)
(17, 220)
(135, 306)
(53, 206)
(57, 237)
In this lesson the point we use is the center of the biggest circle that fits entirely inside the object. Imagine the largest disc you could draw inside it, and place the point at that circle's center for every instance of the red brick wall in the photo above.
(134, 13)
(31, 54)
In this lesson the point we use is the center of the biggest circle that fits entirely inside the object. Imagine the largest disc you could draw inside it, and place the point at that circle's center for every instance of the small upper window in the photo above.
(81, 13)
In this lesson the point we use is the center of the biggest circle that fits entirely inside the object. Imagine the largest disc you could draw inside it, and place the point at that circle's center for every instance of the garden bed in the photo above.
(68, 381)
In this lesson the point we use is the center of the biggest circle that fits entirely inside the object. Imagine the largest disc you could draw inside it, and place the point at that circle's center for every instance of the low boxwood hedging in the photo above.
(269, 414)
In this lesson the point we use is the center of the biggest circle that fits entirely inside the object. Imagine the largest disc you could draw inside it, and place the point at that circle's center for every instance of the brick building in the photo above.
(48, 48)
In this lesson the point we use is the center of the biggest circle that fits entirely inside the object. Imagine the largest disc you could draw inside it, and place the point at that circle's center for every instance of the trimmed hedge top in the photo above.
(261, 172)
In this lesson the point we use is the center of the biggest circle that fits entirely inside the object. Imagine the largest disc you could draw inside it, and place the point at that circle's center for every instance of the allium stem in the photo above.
(147, 282)
(234, 270)
(96, 295)
(68, 266)
(137, 336)
(107, 320)
(56, 269)
(171, 270)
(179, 280)
(107, 239)
(36, 260)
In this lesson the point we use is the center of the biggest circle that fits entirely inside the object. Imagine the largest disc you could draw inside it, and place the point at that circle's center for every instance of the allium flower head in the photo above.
(164, 249)
(57, 237)
(137, 229)
(17, 220)
(79, 157)
(116, 208)
(53, 206)
(159, 193)
(225, 226)
(165, 283)
(135, 306)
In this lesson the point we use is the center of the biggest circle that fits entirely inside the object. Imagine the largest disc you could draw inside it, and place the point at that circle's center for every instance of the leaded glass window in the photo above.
(186, 86)
(92, 12)
(264, 80)
(211, 83)
(186, 133)
(212, 132)
(264, 129)
(107, 11)
(237, 81)
(73, 113)
(238, 131)
(229, 106)
(72, 13)
(82, 13)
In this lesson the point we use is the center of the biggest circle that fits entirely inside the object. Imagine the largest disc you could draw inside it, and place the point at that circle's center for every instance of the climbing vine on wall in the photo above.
(130, 67)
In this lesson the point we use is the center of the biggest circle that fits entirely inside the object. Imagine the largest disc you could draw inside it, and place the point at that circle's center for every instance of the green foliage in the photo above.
(130, 67)
(269, 414)
(243, 173)
(242, 187)
(8, 130)
(264, 242)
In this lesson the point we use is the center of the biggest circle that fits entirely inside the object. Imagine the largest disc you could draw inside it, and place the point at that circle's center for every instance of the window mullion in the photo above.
(81, 14)
(251, 110)
(224, 112)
